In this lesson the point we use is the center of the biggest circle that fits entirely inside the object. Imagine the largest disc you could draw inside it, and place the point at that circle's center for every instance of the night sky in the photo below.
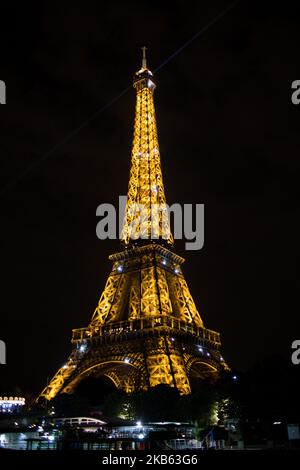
(229, 138)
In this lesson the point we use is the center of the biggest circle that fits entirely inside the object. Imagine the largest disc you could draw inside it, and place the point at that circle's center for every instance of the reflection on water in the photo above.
(18, 440)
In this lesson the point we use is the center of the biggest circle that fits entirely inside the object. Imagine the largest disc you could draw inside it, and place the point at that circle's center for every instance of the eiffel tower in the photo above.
(146, 329)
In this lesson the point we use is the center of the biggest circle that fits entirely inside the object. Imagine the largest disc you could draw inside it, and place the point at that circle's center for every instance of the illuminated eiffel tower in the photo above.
(146, 329)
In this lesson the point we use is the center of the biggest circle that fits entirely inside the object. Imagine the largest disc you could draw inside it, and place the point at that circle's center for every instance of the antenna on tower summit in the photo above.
(144, 61)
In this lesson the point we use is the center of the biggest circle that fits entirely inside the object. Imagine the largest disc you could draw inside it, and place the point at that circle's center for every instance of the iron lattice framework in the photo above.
(146, 210)
(146, 329)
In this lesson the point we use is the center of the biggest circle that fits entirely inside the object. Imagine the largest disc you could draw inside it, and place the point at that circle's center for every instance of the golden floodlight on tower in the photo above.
(146, 329)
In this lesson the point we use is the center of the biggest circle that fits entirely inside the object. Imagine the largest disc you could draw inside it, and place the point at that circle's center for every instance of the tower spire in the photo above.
(146, 217)
(144, 60)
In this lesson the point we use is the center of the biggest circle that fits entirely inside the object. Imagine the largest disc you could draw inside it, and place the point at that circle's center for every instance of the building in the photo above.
(11, 404)
(146, 329)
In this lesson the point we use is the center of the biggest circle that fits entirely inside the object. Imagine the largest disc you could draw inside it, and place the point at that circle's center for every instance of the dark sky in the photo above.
(229, 138)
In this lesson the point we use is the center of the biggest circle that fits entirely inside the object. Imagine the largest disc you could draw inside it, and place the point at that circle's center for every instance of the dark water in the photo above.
(18, 440)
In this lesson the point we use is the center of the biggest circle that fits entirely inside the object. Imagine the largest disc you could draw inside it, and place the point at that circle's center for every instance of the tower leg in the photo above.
(166, 366)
